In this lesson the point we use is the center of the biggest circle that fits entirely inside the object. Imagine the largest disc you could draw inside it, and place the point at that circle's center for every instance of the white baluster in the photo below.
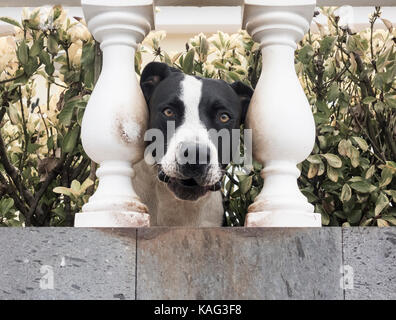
(279, 115)
(116, 115)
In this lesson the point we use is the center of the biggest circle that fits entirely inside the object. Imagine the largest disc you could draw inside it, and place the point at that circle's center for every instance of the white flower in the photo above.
(153, 38)
(196, 41)
(8, 57)
(79, 32)
(75, 52)
(209, 68)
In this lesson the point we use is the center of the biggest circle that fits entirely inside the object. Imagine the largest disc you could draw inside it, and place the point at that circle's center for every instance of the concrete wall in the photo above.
(208, 263)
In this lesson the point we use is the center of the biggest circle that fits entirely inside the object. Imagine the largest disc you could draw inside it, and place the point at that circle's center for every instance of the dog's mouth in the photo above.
(187, 189)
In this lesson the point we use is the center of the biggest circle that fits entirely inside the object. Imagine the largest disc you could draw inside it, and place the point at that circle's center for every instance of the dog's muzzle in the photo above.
(187, 189)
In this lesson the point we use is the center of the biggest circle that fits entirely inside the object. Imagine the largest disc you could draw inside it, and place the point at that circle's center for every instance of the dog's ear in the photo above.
(245, 94)
(152, 75)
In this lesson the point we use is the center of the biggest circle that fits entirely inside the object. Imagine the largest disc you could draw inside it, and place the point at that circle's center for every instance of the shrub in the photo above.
(349, 79)
(40, 150)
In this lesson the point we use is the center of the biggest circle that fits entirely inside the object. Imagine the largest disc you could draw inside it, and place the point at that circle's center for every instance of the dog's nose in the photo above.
(193, 159)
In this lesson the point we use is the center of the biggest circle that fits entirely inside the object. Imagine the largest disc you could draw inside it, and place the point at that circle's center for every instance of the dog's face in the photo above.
(193, 161)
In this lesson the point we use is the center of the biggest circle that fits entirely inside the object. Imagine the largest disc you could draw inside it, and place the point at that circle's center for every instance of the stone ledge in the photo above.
(192, 263)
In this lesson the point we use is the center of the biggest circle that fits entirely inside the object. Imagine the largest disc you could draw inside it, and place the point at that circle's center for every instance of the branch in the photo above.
(12, 171)
(12, 79)
(37, 196)
(92, 176)
(65, 183)
(80, 168)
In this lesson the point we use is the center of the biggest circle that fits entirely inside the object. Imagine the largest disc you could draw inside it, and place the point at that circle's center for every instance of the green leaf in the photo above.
(46, 60)
(370, 172)
(325, 218)
(234, 76)
(381, 203)
(62, 190)
(75, 186)
(354, 157)
(10, 21)
(88, 55)
(326, 45)
(50, 142)
(354, 216)
(219, 65)
(23, 52)
(246, 184)
(391, 193)
(86, 184)
(70, 140)
(33, 147)
(31, 66)
(65, 116)
(333, 93)
(390, 219)
(52, 44)
(366, 223)
(369, 100)
(333, 160)
(382, 223)
(322, 142)
(332, 174)
(346, 193)
(188, 63)
(13, 114)
(390, 100)
(361, 143)
(36, 48)
(204, 46)
(315, 159)
(379, 81)
(356, 179)
(311, 197)
(305, 54)
(313, 170)
(386, 177)
(344, 148)
(363, 187)
(6, 205)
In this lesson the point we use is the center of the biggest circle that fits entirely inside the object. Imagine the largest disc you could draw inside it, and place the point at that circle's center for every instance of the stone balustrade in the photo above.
(282, 124)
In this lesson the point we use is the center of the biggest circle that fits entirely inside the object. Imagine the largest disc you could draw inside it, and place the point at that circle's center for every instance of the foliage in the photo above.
(349, 79)
(40, 147)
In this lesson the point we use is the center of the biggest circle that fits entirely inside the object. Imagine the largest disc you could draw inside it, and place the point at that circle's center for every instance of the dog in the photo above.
(182, 186)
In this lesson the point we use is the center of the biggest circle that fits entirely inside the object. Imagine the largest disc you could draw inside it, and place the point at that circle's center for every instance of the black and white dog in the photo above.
(182, 187)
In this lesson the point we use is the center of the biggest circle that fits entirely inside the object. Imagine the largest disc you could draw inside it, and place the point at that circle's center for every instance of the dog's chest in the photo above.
(166, 210)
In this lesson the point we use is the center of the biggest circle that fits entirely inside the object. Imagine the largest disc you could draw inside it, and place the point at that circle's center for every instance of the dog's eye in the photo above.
(224, 117)
(168, 112)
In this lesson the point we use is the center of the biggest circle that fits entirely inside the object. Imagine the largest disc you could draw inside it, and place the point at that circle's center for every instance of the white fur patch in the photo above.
(191, 130)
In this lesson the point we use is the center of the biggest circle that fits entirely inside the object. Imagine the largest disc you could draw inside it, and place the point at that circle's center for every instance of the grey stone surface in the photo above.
(86, 263)
(239, 263)
(193, 263)
(371, 252)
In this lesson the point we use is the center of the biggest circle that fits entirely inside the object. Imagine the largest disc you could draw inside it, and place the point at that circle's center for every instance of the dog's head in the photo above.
(200, 110)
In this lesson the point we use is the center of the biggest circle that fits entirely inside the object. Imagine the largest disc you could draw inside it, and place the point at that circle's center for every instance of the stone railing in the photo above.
(191, 263)
(115, 119)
